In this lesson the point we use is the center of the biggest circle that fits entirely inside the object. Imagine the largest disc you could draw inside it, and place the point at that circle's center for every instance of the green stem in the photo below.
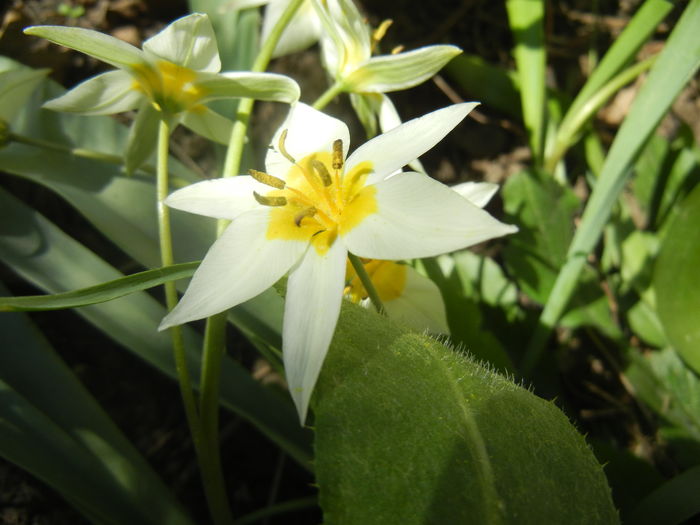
(366, 282)
(279, 508)
(328, 95)
(577, 117)
(213, 485)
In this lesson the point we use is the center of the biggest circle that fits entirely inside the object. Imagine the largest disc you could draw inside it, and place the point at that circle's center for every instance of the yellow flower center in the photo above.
(319, 201)
(171, 88)
(388, 278)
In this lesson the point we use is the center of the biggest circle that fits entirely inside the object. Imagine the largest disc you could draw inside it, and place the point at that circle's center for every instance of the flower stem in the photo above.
(210, 470)
(366, 282)
(328, 95)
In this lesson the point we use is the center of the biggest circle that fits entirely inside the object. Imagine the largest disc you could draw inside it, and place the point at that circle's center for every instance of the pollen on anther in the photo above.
(283, 149)
(337, 154)
(267, 179)
(270, 201)
(308, 212)
(320, 168)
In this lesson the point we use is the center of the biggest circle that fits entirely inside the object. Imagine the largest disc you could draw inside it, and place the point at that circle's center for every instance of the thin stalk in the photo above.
(212, 486)
(328, 95)
(576, 119)
(366, 282)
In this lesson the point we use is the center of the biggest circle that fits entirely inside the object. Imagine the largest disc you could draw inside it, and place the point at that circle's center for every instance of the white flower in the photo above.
(309, 210)
(174, 75)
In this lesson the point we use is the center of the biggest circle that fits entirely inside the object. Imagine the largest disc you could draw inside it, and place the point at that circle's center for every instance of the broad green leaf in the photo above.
(409, 431)
(44, 256)
(672, 503)
(15, 87)
(52, 427)
(675, 65)
(526, 19)
(99, 293)
(676, 280)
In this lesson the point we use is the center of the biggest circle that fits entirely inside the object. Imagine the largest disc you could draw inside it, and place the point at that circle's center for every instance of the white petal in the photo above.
(208, 124)
(225, 198)
(394, 149)
(189, 42)
(16, 86)
(420, 305)
(261, 86)
(103, 47)
(103, 94)
(241, 264)
(420, 217)
(301, 32)
(312, 306)
(389, 119)
(308, 131)
(478, 193)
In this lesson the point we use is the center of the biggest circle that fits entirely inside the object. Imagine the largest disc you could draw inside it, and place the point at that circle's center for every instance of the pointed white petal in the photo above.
(143, 135)
(386, 73)
(241, 264)
(189, 42)
(389, 119)
(394, 149)
(104, 94)
(103, 47)
(225, 198)
(261, 86)
(420, 217)
(301, 32)
(312, 306)
(478, 193)
(209, 124)
(308, 131)
(420, 305)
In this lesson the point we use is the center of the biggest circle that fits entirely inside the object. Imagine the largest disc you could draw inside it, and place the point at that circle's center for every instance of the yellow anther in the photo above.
(397, 50)
(320, 168)
(270, 201)
(308, 212)
(379, 33)
(266, 178)
(337, 154)
(283, 150)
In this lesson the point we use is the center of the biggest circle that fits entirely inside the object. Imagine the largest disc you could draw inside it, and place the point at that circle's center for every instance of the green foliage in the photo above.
(442, 438)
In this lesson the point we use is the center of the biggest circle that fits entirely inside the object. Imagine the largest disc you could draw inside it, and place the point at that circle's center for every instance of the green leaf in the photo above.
(44, 256)
(675, 65)
(52, 427)
(526, 18)
(101, 292)
(672, 503)
(676, 281)
(410, 432)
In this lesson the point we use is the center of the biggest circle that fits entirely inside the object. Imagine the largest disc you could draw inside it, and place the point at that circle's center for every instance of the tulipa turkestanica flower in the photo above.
(314, 205)
(173, 76)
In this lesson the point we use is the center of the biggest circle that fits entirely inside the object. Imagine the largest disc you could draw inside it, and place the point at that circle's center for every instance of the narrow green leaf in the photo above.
(101, 292)
(410, 432)
(676, 280)
(675, 65)
(672, 503)
(526, 18)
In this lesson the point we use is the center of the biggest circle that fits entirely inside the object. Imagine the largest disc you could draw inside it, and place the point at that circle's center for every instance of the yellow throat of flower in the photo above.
(171, 88)
(317, 201)
(388, 278)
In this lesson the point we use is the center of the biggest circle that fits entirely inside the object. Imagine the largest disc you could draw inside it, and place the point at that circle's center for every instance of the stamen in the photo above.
(320, 168)
(397, 50)
(308, 212)
(283, 150)
(379, 33)
(270, 201)
(266, 178)
(337, 154)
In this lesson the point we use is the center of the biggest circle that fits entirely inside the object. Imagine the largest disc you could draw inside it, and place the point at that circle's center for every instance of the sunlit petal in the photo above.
(478, 193)
(225, 198)
(103, 47)
(420, 217)
(312, 306)
(261, 86)
(301, 32)
(189, 42)
(104, 94)
(394, 149)
(308, 131)
(241, 264)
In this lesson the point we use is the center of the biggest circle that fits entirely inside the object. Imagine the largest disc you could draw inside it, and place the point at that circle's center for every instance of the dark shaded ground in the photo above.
(144, 404)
